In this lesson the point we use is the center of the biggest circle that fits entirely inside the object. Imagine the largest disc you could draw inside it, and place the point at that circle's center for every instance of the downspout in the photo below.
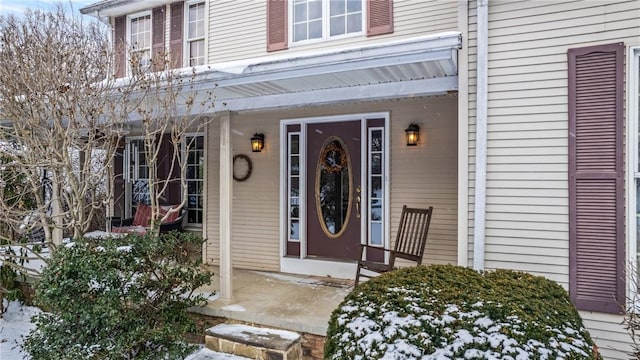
(463, 134)
(479, 212)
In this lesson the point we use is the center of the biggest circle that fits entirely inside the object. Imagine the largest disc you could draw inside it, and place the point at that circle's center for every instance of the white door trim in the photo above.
(304, 265)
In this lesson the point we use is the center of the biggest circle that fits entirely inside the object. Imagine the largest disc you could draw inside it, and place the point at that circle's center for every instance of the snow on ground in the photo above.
(16, 322)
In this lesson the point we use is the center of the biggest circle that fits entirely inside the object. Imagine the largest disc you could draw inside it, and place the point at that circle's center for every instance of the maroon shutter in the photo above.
(175, 38)
(596, 178)
(379, 17)
(120, 48)
(169, 172)
(276, 25)
(157, 33)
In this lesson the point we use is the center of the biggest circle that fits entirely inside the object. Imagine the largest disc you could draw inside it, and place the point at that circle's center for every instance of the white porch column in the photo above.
(226, 199)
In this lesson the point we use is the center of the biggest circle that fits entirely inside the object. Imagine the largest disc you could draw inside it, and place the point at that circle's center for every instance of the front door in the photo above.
(334, 190)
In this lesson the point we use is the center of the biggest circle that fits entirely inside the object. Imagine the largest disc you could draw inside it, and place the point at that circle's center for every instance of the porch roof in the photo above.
(420, 66)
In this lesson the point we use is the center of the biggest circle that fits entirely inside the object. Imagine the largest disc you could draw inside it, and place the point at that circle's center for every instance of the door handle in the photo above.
(358, 199)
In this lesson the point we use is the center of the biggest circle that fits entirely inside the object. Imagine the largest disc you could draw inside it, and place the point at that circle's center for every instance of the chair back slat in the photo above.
(412, 233)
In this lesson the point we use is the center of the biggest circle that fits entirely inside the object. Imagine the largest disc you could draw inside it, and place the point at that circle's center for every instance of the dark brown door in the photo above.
(333, 190)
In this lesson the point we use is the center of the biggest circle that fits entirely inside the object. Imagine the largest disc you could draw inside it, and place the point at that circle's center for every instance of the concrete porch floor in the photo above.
(287, 301)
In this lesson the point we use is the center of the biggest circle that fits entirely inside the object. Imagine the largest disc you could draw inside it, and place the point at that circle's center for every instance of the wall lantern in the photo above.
(257, 142)
(413, 134)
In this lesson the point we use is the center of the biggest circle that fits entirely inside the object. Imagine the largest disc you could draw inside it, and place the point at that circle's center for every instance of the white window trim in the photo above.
(128, 35)
(185, 32)
(632, 168)
(325, 26)
(185, 191)
(383, 175)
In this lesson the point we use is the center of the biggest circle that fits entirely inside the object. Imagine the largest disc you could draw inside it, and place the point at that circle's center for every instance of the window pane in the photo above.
(193, 30)
(337, 26)
(354, 6)
(376, 210)
(376, 234)
(376, 140)
(315, 29)
(195, 216)
(315, 9)
(295, 186)
(354, 23)
(376, 163)
(295, 212)
(300, 12)
(295, 165)
(300, 32)
(295, 144)
(376, 187)
(337, 7)
(196, 53)
(295, 230)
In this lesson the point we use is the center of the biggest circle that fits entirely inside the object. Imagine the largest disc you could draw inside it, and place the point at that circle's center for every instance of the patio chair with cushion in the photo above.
(411, 240)
(139, 223)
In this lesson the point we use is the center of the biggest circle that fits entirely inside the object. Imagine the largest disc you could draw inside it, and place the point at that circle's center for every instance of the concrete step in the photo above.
(254, 342)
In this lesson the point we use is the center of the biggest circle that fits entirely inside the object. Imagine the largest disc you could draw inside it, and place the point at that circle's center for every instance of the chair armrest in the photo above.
(366, 246)
(173, 225)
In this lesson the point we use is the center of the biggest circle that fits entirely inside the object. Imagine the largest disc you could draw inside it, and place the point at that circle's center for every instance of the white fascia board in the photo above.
(396, 90)
(119, 7)
(404, 89)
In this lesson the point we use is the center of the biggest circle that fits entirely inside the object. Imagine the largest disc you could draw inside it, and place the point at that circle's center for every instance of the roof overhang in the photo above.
(105, 8)
(423, 66)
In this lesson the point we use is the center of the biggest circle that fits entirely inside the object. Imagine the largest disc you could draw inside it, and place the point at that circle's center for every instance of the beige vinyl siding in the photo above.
(606, 330)
(255, 218)
(427, 175)
(527, 222)
(422, 176)
(237, 28)
(527, 125)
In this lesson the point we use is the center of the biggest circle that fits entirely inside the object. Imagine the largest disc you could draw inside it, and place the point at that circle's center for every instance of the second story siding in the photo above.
(237, 28)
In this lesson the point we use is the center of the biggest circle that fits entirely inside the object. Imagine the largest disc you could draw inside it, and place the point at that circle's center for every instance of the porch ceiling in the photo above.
(413, 67)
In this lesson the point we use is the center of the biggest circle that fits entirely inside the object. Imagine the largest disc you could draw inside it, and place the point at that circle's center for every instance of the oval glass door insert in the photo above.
(333, 187)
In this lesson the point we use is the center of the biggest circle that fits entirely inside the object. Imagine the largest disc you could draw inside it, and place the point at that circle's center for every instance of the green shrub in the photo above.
(117, 299)
(448, 312)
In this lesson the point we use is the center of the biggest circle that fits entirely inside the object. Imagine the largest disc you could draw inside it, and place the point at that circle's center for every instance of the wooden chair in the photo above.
(410, 242)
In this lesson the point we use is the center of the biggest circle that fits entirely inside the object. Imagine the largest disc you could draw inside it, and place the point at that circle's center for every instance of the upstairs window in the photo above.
(303, 21)
(140, 39)
(321, 19)
(195, 34)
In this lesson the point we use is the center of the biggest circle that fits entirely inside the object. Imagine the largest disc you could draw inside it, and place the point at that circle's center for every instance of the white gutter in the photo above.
(479, 212)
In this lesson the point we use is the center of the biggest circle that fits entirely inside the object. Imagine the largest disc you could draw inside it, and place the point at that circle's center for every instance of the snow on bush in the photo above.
(126, 298)
(448, 312)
